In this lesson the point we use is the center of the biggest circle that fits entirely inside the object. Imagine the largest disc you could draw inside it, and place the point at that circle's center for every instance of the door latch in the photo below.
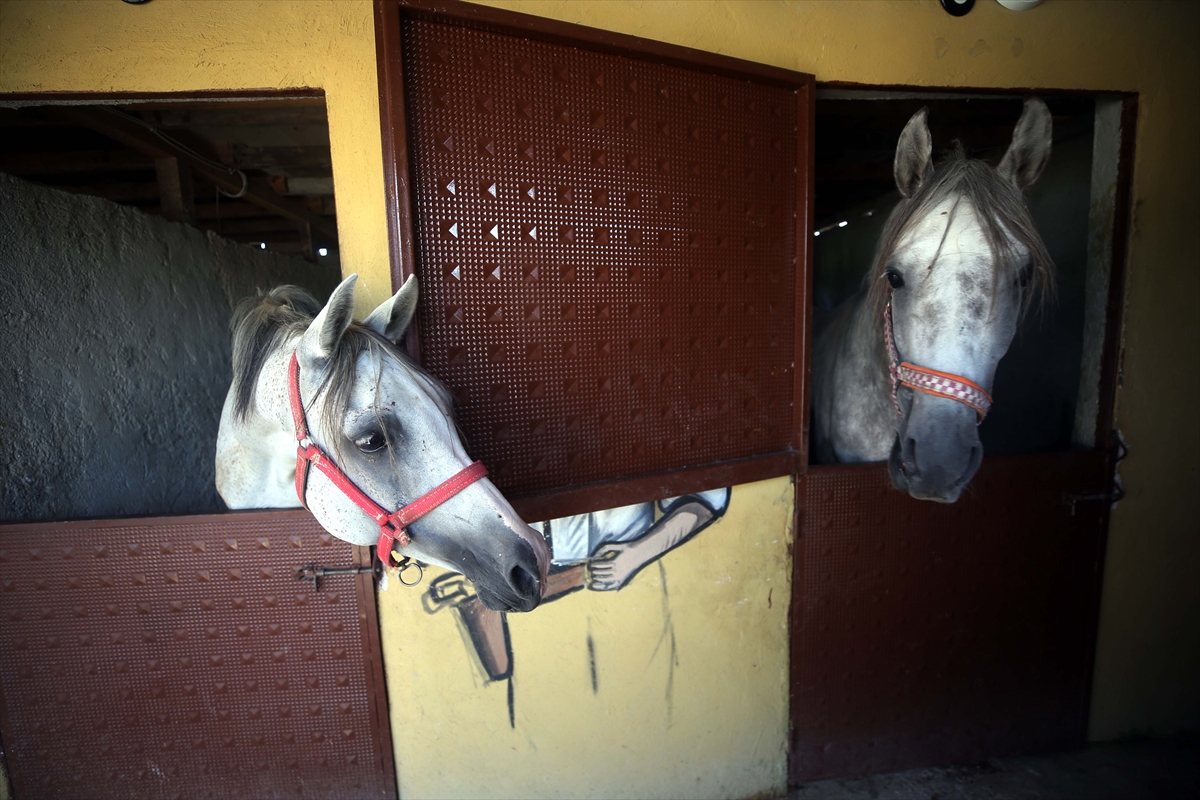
(316, 572)
(1119, 451)
(1071, 500)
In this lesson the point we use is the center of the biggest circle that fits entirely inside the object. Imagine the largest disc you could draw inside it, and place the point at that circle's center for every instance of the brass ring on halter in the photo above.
(404, 566)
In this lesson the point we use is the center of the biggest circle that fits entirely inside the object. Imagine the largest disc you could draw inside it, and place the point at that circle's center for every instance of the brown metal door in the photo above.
(611, 240)
(179, 657)
(931, 634)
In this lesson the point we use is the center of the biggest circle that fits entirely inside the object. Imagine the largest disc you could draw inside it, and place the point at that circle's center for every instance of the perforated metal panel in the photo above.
(607, 254)
(930, 634)
(179, 658)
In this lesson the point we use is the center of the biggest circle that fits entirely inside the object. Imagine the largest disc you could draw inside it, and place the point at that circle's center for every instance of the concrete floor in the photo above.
(1162, 769)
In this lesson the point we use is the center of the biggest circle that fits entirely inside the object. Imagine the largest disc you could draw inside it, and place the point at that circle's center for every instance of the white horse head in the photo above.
(959, 261)
(387, 424)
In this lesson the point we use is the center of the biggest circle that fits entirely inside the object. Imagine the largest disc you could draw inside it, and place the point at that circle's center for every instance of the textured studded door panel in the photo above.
(930, 634)
(607, 250)
(179, 657)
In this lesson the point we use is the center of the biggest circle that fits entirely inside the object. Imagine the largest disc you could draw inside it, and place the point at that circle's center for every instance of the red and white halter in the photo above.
(930, 381)
(392, 526)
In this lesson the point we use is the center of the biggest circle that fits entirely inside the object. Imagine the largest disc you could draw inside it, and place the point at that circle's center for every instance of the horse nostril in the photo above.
(908, 455)
(523, 582)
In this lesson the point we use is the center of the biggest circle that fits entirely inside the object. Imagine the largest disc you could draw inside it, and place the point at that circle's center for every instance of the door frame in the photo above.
(1106, 436)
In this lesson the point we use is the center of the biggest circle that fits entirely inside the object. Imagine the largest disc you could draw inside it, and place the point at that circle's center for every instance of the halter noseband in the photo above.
(392, 526)
(930, 381)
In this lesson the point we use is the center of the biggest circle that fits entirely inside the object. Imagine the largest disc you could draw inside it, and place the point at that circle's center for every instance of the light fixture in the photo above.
(321, 251)
(958, 8)
(843, 223)
(262, 245)
(816, 233)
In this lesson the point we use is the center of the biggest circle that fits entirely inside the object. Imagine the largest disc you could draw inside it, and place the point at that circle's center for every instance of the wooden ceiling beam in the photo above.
(230, 209)
(264, 236)
(280, 157)
(263, 225)
(176, 190)
(28, 164)
(241, 117)
(133, 133)
(126, 192)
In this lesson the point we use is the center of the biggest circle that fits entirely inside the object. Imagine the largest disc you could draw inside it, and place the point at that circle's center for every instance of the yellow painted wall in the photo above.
(690, 697)
(569, 741)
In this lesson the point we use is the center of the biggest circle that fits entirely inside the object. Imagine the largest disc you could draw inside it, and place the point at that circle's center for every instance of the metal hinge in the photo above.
(315, 572)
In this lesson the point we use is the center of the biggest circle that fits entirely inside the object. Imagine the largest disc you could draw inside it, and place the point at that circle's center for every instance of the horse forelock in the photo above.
(268, 321)
(261, 324)
(1004, 219)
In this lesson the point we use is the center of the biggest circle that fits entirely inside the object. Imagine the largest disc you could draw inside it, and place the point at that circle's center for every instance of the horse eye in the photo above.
(895, 279)
(1024, 275)
(371, 443)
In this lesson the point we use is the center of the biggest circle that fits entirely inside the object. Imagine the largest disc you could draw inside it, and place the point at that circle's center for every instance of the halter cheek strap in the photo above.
(930, 381)
(392, 525)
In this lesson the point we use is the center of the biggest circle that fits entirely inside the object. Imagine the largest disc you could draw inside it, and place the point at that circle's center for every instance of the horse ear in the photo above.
(1030, 148)
(913, 153)
(321, 339)
(393, 316)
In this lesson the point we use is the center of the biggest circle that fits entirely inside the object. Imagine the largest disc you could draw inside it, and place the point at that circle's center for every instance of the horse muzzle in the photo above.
(517, 582)
(937, 450)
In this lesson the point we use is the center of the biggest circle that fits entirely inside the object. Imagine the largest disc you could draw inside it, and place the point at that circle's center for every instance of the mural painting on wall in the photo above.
(600, 551)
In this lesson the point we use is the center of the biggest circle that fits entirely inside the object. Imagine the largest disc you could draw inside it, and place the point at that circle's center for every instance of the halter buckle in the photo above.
(389, 532)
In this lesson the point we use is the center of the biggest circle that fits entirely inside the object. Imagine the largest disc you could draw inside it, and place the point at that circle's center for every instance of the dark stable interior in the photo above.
(122, 153)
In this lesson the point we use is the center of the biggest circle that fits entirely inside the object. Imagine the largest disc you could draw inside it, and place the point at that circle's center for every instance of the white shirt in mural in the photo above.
(577, 538)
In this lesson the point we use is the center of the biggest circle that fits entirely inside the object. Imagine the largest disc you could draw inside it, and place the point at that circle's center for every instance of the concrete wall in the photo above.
(1149, 652)
(115, 360)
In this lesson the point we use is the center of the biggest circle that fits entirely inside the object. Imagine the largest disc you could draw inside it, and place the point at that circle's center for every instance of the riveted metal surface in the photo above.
(607, 254)
(180, 658)
(928, 634)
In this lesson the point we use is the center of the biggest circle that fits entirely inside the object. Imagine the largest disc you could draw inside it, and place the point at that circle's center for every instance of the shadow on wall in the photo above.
(116, 357)
(1037, 381)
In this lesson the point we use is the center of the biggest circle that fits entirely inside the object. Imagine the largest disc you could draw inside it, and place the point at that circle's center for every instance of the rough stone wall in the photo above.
(114, 354)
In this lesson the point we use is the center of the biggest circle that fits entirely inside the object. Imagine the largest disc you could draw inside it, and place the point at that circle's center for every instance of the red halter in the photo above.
(930, 381)
(392, 526)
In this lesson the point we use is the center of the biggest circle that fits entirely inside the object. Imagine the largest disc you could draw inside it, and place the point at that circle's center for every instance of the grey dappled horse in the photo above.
(904, 371)
(386, 423)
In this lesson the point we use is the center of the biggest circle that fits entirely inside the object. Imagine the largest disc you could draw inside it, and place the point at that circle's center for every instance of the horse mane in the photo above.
(1002, 212)
(265, 322)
